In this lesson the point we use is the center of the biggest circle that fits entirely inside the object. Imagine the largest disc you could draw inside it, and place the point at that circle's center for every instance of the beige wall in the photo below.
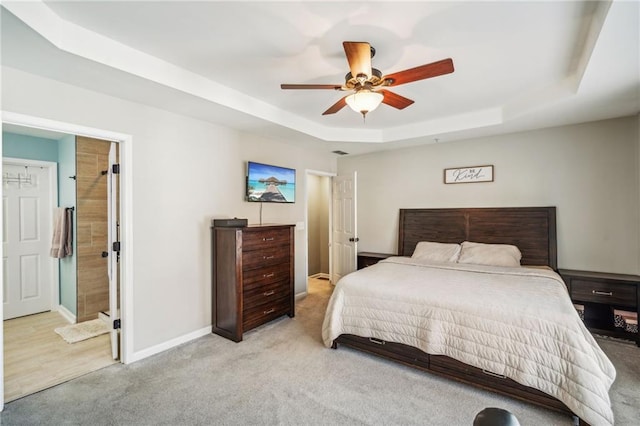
(588, 171)
(184, 173)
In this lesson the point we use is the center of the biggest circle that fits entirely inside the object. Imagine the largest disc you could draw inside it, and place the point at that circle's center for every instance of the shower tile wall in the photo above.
(92, 157)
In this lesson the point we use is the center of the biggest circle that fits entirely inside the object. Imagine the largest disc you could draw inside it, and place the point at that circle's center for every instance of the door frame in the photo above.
(52, 202)
(126, 221)
(330, 175)
(112, 237)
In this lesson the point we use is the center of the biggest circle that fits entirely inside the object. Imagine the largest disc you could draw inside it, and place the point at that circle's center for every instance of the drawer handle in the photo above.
(268, 239)
(269, 293)
(491, 373)
(602, 293)
(268, 257)
(376, 341)
(269, 311)
(268, 275)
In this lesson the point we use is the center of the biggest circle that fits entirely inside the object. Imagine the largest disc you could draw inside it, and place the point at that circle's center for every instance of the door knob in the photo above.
(105, 254)
(354, 240)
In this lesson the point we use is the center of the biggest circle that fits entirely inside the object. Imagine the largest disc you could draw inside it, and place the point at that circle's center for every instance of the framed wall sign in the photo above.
(469, 174)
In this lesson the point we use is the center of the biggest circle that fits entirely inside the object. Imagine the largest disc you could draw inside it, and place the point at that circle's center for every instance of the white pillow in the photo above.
(490, 254)
(436, 252)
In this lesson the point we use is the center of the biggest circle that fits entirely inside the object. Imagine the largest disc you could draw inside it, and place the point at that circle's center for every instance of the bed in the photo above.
(507, 328)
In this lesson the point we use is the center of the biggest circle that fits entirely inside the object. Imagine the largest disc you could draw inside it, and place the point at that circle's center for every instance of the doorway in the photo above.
(50, 267)
(123, 141)
(318, 224)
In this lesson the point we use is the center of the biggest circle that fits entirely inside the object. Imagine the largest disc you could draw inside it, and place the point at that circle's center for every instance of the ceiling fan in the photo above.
(367, 84)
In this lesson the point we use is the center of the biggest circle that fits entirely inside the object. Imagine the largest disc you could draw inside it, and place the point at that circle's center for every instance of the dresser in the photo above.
(601, 293)
(252, 277)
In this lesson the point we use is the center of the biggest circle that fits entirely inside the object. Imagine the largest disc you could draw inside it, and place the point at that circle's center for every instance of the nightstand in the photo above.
(601, 293)
(368, 258)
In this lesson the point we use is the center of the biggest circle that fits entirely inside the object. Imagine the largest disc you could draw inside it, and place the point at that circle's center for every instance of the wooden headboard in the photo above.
(531, 229)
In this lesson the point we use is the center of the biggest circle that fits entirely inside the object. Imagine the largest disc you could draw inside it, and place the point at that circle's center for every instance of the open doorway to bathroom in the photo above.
(36, 356)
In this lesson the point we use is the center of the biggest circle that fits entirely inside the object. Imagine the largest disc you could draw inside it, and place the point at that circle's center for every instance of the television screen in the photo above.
(270, 184)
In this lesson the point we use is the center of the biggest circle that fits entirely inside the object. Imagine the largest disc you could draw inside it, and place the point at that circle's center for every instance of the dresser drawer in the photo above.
(264, 313)
(265, 239)
(603, 292)
(265, 294)
(268, 274)
(264, 258)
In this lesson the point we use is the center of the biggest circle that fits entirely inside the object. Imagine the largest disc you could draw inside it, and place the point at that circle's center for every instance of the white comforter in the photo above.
(518, 322)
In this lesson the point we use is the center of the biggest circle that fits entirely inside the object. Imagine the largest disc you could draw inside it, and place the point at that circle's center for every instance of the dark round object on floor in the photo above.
(495, 417)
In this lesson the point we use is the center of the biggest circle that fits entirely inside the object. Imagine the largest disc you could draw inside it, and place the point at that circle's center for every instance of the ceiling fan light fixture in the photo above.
(364, 101)
(367, 85)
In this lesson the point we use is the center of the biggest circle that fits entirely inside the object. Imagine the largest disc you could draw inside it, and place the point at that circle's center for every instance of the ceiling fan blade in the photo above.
(395, 100)
(311, 86)
(359, 57)
(422, 72)
(336, 107)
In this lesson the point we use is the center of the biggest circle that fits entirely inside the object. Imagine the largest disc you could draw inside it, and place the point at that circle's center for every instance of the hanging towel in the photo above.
(62, 241)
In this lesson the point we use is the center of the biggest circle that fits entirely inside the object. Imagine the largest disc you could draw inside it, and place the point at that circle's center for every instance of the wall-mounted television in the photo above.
(270, 184)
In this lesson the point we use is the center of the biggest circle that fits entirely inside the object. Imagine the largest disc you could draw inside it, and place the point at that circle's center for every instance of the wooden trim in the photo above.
(292, 274)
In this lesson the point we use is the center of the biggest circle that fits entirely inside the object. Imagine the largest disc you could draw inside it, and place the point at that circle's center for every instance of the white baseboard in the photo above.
(322, 275)
(145, 353)
(153, 350)
(67, 314)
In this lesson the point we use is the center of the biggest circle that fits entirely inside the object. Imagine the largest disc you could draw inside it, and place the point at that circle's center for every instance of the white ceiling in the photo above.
(518, 65)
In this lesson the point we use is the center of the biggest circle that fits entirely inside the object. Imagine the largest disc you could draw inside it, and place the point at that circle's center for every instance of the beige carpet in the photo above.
(282, 374)
(82, 331)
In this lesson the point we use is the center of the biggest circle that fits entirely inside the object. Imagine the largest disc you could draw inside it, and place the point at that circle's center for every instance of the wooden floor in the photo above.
(36, 358)
(317, 285)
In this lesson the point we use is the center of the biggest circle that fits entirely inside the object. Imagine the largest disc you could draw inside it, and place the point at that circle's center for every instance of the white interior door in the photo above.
(112, 219)
(344, 239)
(26, 237)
